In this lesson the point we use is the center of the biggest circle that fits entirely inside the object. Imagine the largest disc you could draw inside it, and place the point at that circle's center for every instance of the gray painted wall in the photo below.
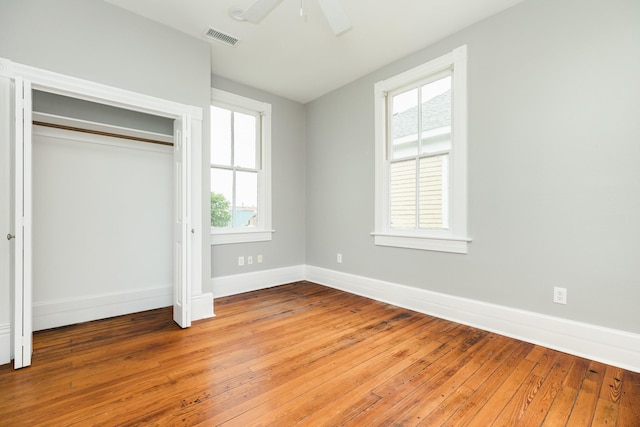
(554, 181)
(287, 248)
(97, 41)
(102, 221)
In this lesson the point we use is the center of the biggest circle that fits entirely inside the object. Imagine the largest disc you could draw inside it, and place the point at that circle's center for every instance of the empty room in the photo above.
(319, 212)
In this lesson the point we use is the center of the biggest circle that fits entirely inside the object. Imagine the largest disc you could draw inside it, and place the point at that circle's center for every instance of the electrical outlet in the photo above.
(259, 259)
(560, 295)
(339, 258)
(240, 261)
(250, 259)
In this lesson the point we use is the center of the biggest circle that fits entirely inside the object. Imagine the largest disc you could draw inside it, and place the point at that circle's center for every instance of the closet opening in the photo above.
(106, 243)
(102, 211)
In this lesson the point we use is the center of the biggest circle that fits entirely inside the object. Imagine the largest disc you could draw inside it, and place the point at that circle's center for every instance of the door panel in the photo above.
(22, 321)
(6, 223)
(182, 227)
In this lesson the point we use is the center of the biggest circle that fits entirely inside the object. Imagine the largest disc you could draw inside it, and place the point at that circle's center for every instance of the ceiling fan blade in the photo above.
(337, 17)
(257, 11)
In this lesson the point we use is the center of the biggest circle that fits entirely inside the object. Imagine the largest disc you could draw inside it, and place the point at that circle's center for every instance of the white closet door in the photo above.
(22, 339)
(6, 215)
(182, 226)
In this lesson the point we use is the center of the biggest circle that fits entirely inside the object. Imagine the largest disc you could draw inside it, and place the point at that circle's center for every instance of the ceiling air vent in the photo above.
(221, 37)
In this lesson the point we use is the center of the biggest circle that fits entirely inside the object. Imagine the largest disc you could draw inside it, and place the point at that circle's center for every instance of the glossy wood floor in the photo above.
(307, 354)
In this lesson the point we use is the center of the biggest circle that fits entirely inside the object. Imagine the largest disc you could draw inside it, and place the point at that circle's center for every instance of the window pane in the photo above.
(220, 136)
(221, 196)
(404, 124)
(245, 136)
(436, 116)
(246, 209)
(434, 192)
(403, 194)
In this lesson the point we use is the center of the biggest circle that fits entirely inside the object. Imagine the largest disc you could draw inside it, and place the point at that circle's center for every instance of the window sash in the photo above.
(235, 169)
(408, 207)
(412, 202)
(258, 137)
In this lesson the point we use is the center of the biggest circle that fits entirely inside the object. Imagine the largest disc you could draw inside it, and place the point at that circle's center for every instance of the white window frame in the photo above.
(454, 239)
(263, 229)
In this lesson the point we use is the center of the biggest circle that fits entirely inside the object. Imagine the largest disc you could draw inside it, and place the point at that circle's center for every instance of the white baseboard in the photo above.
(202, 306)
(51, 314)
(5, 343)
(247, 282)
(610, 346)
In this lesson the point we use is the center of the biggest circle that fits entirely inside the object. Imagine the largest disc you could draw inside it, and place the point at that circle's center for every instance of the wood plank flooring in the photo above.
(309, 355)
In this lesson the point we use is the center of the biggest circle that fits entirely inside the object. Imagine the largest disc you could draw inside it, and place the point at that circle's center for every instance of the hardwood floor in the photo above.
(303, 353)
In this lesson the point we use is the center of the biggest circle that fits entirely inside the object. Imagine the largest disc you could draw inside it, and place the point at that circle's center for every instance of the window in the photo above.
(421, 132)
(240, 169)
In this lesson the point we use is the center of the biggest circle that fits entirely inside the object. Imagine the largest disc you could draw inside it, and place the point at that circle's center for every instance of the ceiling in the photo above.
(299, 57)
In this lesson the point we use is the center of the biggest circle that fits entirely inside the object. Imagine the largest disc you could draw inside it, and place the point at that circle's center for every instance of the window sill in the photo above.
(440, 244)
(222, 238)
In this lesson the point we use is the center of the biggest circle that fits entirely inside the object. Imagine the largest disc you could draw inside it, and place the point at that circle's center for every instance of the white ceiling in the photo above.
(301, 59)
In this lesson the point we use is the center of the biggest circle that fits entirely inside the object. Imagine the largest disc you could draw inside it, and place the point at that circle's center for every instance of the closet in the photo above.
(103, 207)
(102, 210)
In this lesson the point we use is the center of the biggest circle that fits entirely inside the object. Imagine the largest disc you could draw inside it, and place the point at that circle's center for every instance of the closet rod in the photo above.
(97, 132)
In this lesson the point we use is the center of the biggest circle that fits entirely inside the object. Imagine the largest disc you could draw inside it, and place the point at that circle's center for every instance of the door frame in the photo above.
(188, 215)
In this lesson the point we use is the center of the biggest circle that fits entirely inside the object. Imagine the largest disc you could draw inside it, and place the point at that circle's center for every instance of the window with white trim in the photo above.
(421, 156)
(240, 169)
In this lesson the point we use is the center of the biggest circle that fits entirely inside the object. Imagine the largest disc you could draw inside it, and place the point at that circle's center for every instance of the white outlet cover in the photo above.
(560, 295)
